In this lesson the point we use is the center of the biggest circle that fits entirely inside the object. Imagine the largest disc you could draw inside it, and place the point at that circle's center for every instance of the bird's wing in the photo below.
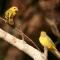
(50, 40)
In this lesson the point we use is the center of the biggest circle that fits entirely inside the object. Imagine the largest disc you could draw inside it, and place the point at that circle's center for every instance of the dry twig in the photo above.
(53, 26)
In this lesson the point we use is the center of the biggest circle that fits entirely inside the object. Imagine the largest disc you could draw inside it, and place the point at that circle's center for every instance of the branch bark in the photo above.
(22, 45)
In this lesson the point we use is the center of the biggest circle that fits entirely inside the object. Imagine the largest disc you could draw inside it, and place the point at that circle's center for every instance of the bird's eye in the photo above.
(14, 8)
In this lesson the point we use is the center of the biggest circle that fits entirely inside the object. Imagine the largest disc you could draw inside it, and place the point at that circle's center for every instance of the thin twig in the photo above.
(19, 31)
(53, 26)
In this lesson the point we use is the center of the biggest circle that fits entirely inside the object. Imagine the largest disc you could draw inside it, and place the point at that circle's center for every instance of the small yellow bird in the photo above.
(47, 42)
(10, 13)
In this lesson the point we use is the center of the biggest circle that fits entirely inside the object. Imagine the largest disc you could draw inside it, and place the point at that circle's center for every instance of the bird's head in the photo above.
(43, 33)
(14, 8)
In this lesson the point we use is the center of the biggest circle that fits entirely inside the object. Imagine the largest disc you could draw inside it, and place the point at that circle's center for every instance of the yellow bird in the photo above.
(47, 42)
(9, 14)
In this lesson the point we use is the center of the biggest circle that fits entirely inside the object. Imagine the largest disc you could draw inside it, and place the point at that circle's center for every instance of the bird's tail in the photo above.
(11, 22)
(56, 53)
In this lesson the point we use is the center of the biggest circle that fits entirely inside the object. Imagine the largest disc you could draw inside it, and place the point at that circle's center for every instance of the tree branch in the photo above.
(22, 45)
(19, 31)
(53, 26)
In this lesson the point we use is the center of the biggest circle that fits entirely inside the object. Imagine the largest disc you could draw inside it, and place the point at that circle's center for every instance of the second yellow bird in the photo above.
(47, 42)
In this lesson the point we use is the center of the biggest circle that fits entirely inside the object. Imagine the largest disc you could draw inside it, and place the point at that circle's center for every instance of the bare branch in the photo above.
(53, 26)
(22, 45)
